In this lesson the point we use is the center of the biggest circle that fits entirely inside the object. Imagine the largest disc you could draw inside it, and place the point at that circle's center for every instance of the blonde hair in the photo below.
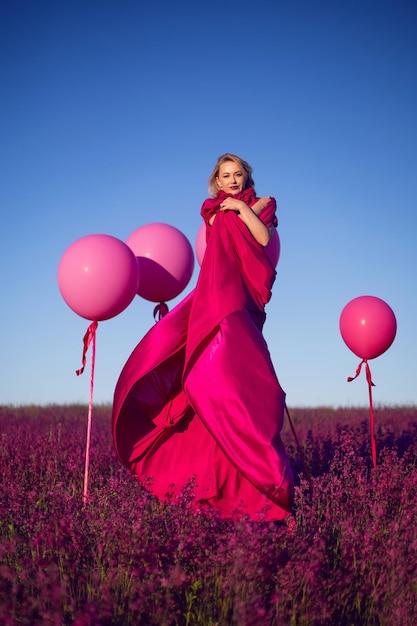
(213, 187)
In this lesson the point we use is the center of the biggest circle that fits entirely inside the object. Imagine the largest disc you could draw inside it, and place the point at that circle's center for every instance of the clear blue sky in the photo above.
(112, 116)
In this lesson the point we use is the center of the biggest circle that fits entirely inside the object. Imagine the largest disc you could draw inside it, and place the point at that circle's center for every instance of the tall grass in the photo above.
(126, 558)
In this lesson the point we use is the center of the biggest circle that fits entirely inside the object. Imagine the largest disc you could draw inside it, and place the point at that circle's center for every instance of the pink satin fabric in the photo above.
(199, 397)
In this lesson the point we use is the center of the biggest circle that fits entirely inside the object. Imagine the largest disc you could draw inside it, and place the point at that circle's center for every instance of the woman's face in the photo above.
(231, 178)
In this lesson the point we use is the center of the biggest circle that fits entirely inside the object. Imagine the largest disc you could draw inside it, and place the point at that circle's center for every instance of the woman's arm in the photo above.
(260, 204)
(249, 216)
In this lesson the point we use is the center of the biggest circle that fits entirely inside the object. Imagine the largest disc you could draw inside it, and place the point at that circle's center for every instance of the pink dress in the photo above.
(199, 398)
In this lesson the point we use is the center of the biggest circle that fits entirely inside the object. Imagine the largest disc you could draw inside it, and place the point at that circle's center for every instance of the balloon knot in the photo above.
(160, 311)
(358, 371)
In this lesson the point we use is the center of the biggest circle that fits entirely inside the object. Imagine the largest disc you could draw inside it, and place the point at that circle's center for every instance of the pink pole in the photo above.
(371, 409)
(89, 337)
(371, 413)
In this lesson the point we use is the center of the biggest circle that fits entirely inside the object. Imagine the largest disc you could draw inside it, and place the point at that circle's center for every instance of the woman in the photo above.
(199, 397)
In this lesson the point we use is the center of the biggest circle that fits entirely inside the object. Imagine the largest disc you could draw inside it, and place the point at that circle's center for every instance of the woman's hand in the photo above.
(232, 204)
(250, 217)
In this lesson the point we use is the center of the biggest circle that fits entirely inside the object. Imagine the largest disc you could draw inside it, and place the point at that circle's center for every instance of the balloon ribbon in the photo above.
(371, 410)
(89, 338)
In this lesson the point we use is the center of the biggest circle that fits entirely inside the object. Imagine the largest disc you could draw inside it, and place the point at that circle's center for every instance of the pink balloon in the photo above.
(272, 250)
(200, 243)
(98, 276)
(368, 326)
(165, 258)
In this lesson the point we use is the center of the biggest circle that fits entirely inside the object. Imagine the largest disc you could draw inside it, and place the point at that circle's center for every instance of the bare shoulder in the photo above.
(260, 204)
(264, 200)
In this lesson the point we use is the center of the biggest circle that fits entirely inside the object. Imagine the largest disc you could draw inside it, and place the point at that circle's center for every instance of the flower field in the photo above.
(125, 558)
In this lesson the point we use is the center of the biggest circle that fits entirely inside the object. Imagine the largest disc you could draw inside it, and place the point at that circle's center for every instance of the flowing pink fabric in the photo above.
(199, 397)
